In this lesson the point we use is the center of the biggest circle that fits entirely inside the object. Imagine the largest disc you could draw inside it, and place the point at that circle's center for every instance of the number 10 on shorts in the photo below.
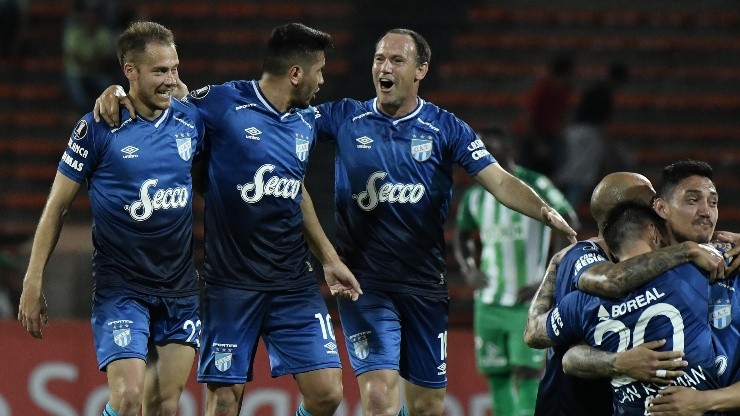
(442, 345)
(327, 330)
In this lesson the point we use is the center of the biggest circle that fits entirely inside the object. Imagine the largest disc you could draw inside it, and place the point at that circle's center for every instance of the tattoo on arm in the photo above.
(536, 332)
(615, 280)
(587, 362)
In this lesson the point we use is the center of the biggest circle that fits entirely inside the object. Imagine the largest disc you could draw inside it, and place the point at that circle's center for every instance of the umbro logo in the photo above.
(252, 133)
(130, 152)
(364, 142)
(442, 369)
(331, 348)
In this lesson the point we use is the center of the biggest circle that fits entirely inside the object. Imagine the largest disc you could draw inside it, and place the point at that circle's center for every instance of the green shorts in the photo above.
(499, 339)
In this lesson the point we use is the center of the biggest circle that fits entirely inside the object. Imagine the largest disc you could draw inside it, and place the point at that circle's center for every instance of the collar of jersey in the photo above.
(409, 116)
(266, 103)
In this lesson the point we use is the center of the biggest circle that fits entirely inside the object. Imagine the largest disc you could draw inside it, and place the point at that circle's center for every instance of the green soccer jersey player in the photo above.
(513, 256)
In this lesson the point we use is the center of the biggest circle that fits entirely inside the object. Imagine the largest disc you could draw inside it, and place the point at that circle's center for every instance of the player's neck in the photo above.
(672, 240)
(275, 92)
(602, 243)
(143, 110)
(398, 111)
(635, 249)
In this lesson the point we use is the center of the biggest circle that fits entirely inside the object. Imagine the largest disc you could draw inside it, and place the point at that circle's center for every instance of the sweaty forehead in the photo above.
(695, 185)
(396, 44)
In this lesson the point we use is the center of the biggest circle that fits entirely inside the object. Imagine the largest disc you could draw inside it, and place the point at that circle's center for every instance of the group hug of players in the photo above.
(651, 304)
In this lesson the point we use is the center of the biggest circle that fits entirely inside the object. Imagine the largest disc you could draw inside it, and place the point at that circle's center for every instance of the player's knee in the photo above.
(380, 401)
(163, 401)
(168, 407)
(223, 402)
(324, 401)
(426, 405)
(429, 408)
(129, 398)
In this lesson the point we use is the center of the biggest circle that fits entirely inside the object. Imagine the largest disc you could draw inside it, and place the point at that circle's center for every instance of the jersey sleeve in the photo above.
(81, 156)
(565, 323)
(465, 220)
(580, 259)
(327, 120)
(210, 102)
(576, 260)
(467, 149)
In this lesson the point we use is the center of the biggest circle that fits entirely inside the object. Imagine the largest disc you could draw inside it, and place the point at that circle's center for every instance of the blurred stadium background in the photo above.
(682, 100)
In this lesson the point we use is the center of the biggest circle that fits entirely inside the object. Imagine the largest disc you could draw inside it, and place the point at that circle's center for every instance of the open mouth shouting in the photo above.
(385, 84)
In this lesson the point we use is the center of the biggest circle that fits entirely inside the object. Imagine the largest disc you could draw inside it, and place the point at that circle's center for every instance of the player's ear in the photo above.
(421, 71)
(295, 74)
(661, 207)
(129, 69)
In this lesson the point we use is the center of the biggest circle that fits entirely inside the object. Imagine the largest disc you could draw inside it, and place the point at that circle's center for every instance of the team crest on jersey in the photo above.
(360, 344)
(184, 146)
(80, 130)
(720, 315)
(223, 361)
(301, 147)
(201, 92)
(362, 350)
(121, 332)
(122, 337)
(222, 355)
(421, 147)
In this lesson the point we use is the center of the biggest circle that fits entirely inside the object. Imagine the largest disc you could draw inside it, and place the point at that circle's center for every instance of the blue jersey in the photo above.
(140, 189)
(393, 189)
(672, 307)
(582, 256)
(256, 159)
(559, 393)
(724, 305)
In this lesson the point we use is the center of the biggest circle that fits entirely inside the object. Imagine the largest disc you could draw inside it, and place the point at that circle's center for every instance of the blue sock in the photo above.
(302, 411)
(108, 411)
(403, 411)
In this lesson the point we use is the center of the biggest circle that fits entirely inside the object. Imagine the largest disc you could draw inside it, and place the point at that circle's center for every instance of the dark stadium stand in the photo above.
(681, 101)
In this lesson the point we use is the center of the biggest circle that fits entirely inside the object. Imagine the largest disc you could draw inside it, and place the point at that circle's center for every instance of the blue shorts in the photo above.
(125, 322)
(294, 324)
(398, 331)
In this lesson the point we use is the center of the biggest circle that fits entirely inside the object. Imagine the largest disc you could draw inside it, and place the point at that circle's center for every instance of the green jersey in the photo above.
(514, 247)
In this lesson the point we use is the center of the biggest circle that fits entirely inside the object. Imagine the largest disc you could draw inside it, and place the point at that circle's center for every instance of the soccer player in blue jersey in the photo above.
(395, 155)
(145, 307)
(587, 266)
(671, 307)
(688, 200)
(258, 278)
